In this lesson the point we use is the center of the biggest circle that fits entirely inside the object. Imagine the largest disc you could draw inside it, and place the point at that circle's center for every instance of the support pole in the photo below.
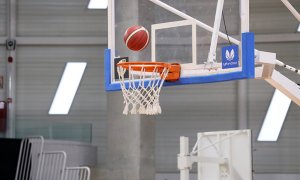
(292, 9)
(242, 104)
(214, 39)
(11, 69)
(242, 85)
(131, 139)
(244, 15)
(184, 151)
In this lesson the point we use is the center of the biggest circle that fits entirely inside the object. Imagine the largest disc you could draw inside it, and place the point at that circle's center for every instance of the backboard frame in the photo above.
(246, 51)
(220, 155)
(246, 73)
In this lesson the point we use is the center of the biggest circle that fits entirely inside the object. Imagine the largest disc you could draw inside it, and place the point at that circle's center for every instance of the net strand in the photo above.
(141, 93)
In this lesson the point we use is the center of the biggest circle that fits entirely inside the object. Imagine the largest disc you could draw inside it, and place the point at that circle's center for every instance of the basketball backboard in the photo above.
(221, 155)
(188, 33)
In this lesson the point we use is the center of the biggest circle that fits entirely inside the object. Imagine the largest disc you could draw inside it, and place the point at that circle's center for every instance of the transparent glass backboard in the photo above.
(191, 33)
(220, 155)
(234, 146)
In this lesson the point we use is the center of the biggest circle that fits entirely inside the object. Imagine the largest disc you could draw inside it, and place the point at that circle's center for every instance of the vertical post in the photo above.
(184, 151)
(130, 139)
(153, 45)
(214, 40)
(244, 14)
(242, 86)
(194, 43)
(242, 104)
(11, 69)
(111, 32)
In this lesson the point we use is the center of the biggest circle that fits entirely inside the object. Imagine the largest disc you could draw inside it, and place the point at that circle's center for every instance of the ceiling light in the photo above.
(275, 117)
(98, 4)
(67, 88)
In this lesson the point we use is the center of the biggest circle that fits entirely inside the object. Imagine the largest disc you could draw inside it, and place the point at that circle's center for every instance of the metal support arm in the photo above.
(185, 161)
(268, 73)
(292, 9)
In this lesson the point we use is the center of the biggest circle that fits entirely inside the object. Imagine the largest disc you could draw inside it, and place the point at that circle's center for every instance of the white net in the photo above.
(141, 89)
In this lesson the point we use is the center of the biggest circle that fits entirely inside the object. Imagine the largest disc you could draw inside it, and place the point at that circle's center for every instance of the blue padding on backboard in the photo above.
(246, 73)
(248, 55)
(107, 69)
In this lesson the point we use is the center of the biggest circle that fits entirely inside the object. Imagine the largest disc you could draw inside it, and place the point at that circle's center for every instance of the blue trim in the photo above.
(248, 55)
(107, 69)
(246, 73)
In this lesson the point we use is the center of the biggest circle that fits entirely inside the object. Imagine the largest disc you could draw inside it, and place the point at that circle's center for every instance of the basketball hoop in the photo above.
(141, 89)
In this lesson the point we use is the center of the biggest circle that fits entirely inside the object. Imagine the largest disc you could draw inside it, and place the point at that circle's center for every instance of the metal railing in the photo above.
(77, 173)
(29, 158)
(52, 165)
(36, 164)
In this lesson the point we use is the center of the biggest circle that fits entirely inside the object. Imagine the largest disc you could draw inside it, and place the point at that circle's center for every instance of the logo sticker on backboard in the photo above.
(230, 57)
(117, 60)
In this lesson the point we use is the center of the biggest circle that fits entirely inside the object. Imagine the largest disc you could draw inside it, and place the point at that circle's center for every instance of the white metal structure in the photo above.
(267, 72)
(224, 155)
(292, 9)
(36, 164)
(192, 68)
(52, 165)
(77, 173)
(30, 158)
(155, 27)
(215, 30)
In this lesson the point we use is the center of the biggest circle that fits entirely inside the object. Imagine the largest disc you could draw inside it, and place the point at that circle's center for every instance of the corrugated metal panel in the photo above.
(39, 71)
(60, 18)
(271, 16)
(3, 16)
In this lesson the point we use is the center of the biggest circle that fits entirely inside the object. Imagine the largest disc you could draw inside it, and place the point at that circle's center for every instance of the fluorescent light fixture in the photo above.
(98, 4)
(67, 88)
(275, 117)
(298, 30)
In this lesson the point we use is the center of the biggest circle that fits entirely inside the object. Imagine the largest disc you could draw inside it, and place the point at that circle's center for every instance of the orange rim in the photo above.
(173, 73)
(145, 66)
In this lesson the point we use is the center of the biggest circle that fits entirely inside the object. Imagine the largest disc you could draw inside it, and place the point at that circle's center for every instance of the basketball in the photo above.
(136, 38)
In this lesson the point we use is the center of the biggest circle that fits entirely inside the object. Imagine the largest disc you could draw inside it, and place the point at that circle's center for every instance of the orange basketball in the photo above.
(136, 38)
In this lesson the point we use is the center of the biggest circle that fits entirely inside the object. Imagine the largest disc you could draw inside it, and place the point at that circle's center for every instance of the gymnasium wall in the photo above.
(48, 34)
